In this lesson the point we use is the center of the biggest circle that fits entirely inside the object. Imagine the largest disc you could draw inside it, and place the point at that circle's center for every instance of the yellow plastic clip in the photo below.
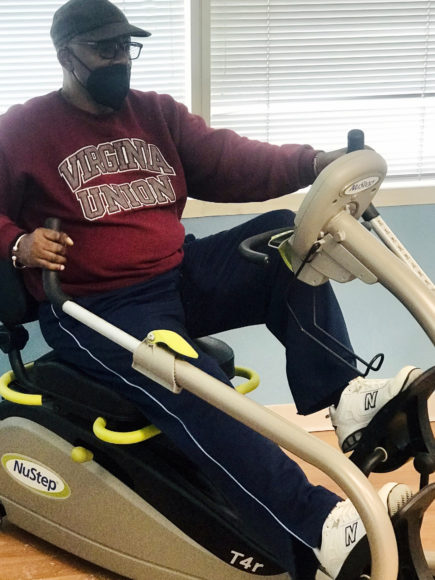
(173, 341)
(15, 396)
(252, 382)
(123, 437)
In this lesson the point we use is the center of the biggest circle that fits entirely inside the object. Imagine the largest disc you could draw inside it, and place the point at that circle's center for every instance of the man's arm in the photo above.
(42, 248)
(222, 166)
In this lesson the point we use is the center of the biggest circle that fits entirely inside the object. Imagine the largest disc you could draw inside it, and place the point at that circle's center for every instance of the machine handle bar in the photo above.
(355, 142)
(50, 278)
(248, 247)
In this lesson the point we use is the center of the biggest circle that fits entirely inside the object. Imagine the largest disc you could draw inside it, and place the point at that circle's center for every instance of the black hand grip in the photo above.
(355, 140)
(52, 223)
(247, 251)
(50, 278)
(247, 247)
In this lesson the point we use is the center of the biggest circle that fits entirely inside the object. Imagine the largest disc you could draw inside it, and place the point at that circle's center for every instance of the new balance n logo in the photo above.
(350, 534)
(370, 400)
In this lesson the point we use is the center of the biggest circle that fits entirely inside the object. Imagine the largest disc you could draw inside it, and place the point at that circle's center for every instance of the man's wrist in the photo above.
(14, 252)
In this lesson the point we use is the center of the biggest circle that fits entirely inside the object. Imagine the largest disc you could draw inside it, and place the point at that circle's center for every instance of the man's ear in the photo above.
(64, 57)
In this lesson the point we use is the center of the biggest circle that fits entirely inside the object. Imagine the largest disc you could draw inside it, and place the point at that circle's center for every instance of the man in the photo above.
(116, 165)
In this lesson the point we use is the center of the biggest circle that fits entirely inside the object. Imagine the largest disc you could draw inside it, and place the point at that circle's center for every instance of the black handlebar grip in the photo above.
(246, 248)
(50, 278)
(355, 140)
(52, 223)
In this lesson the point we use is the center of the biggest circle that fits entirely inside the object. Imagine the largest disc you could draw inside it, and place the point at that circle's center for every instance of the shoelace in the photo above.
(359, 383)
(400, 502)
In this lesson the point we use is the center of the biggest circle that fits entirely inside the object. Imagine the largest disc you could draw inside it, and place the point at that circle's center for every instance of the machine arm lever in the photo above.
(50, 278)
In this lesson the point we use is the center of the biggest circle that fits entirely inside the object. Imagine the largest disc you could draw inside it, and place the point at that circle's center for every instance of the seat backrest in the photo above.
(17, 306)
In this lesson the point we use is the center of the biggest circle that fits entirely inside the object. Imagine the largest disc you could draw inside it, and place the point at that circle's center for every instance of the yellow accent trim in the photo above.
(81, 455)
(284, 248)
(123, 438)
(172, 340)
(284, 252)
(251, 384)
(15, 396)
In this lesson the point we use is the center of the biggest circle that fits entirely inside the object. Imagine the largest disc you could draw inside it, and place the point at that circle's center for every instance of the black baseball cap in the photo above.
(97, 19)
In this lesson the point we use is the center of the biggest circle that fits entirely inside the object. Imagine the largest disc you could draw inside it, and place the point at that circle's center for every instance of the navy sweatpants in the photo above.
(216, 289)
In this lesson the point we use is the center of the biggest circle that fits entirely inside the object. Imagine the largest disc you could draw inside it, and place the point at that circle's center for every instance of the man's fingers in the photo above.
(51, 265)
(54, 245)
(44, 248)
(53, 248)
(60, 237)
(66, 240)
(48, 255)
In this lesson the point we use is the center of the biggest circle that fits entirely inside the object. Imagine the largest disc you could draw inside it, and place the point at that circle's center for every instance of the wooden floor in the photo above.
(24, 557)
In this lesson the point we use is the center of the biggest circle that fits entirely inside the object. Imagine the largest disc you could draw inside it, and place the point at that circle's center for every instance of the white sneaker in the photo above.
(361, 400)
(343, 530)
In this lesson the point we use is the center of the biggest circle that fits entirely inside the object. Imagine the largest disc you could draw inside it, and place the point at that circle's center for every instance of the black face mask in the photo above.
(109, 85)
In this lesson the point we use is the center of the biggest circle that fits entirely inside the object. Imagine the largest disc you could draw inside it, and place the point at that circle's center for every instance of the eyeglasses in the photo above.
(108, 49)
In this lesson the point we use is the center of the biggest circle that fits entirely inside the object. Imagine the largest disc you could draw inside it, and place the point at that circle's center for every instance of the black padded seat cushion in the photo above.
(77, 393)
(219, 350)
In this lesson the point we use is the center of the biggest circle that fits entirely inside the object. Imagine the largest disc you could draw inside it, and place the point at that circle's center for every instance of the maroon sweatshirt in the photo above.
(119, 182)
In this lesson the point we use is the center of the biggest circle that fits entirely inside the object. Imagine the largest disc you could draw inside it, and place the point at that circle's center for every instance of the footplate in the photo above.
(407, 527)
(401, 430)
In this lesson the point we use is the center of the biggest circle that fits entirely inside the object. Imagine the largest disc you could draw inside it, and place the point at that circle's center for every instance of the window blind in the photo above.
(287, 71)
(28, 63)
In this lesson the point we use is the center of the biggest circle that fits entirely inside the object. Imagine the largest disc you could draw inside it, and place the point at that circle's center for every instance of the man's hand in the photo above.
(324, 158)
(44, 248)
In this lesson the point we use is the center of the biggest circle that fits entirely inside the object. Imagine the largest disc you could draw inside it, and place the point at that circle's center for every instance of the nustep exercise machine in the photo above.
(82, 469)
